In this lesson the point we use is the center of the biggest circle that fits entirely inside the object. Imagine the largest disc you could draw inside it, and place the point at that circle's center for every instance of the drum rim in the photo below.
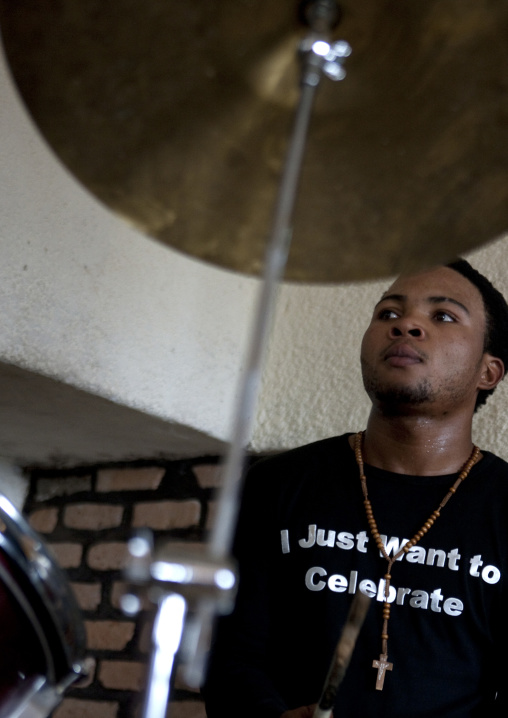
(12, 586)
(23, 545)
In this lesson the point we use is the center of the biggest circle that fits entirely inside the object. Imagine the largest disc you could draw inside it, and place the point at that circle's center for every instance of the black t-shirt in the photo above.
(304, 548)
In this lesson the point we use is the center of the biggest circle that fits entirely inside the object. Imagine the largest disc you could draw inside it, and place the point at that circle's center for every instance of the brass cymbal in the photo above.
(177, 115)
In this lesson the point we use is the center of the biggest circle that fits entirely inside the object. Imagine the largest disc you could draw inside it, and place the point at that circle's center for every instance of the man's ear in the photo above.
(492, 372)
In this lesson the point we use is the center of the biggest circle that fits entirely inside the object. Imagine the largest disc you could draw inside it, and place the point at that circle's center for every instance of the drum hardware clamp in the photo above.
(185, 585)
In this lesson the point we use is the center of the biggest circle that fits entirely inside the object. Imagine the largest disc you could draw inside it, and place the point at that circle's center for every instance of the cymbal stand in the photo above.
(205, 584)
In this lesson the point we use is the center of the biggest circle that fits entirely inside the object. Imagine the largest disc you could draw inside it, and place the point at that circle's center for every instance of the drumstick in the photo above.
(342, 654)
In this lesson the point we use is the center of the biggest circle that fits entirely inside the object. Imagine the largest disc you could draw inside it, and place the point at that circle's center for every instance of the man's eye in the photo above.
(387, 314)
(444, 317)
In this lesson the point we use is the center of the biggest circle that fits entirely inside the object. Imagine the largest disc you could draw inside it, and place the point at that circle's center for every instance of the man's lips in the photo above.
(402, 355)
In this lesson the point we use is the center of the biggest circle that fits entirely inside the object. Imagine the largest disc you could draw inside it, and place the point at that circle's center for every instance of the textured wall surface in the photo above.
(89, 303)
(13, 483)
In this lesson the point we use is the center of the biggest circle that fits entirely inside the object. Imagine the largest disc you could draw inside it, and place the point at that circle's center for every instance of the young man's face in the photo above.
(424, 346)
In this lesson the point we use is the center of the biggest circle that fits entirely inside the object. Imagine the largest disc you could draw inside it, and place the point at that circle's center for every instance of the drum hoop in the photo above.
(26, 606)
(34, 700)
(48, 582)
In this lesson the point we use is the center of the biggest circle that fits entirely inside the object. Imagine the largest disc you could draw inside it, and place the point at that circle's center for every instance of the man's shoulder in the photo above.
(297, 472)
(488, 482)
(320, 461)
(319, 452)
(493, 465)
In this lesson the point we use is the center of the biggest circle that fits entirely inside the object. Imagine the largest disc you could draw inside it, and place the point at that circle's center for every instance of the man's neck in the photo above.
(417, 445)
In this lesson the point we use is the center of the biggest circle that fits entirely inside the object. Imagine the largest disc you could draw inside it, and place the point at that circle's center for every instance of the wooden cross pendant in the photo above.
(382, 666)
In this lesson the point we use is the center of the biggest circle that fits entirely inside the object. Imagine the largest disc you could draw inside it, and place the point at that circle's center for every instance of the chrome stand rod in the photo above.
(275, 262)
(221, 538)
(166, 635)
(319, 57)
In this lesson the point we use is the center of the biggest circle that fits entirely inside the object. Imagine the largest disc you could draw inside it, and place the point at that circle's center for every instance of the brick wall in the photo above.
(86, 516)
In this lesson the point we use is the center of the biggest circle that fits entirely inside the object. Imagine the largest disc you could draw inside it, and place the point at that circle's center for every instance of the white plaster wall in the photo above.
(491, 422)
(94, 304)
(13, 484)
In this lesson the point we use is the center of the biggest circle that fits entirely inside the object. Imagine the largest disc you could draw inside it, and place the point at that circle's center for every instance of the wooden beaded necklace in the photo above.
(382, 664)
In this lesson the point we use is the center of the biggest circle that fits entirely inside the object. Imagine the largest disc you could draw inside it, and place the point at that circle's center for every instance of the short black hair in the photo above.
(496, 316)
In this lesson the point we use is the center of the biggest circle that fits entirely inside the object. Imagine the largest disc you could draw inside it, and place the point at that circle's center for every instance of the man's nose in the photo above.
(405, 326)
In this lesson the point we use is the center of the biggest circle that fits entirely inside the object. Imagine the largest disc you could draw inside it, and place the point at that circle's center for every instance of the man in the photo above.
(326, 520)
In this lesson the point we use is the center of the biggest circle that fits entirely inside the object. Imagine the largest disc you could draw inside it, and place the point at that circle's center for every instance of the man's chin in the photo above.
(399, 397)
